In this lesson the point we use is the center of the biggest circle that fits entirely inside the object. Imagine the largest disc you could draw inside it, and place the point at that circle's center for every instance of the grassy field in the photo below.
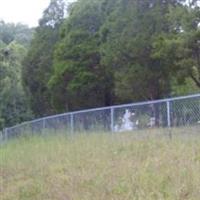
(101, 167)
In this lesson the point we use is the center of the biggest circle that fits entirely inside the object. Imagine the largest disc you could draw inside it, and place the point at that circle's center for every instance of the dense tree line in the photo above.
(113, 51)
(14, 41)
(101, 52)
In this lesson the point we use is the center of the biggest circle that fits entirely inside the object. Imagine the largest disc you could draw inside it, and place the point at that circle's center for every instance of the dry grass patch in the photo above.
(100, 167)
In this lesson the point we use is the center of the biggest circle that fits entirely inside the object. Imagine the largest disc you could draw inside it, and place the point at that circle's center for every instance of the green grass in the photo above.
(101, 167)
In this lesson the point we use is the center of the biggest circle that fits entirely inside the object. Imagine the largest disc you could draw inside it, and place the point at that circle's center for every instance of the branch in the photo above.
(197, 82)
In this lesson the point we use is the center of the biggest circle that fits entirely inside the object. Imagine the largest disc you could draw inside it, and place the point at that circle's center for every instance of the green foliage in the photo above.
(37, 65)
(15, 32)
(14, 40)
(14, 106)
(112, 51)
(132, 47)
(77, 68)
(188, 86)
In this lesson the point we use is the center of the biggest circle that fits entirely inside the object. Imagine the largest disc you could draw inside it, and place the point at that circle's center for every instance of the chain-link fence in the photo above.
(167, 113)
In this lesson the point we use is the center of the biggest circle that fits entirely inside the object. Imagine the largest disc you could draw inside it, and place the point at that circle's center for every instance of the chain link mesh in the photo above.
(167, 113)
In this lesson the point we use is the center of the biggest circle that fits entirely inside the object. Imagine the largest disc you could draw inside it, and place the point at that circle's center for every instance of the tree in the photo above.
(38, 62)
(189, 58)
(14, 107)
(131, 35)
(15, 32)
(183, 47)
(111, 51)
(79, 79)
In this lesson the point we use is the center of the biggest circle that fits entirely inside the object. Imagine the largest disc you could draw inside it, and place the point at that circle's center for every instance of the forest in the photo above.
(93, 53)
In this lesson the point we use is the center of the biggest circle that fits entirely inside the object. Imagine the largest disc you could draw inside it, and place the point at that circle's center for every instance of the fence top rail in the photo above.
(108, 108)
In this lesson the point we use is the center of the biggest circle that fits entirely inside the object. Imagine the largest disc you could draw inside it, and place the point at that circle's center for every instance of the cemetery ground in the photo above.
(134, 166)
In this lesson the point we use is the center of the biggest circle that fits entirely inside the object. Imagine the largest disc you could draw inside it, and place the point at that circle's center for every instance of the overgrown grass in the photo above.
(101, 167)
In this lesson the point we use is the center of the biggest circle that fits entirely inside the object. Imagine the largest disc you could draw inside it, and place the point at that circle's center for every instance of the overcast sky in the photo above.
(24, 11)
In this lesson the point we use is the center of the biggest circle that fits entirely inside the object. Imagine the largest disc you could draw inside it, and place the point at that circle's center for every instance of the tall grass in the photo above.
(101, 167)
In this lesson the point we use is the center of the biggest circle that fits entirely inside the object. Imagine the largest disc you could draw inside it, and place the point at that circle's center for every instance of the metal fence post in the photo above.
(168, 115)
(72, 122)
(112, 119)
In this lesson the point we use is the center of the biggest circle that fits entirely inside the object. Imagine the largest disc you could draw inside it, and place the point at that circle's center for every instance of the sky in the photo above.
(23, 11)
